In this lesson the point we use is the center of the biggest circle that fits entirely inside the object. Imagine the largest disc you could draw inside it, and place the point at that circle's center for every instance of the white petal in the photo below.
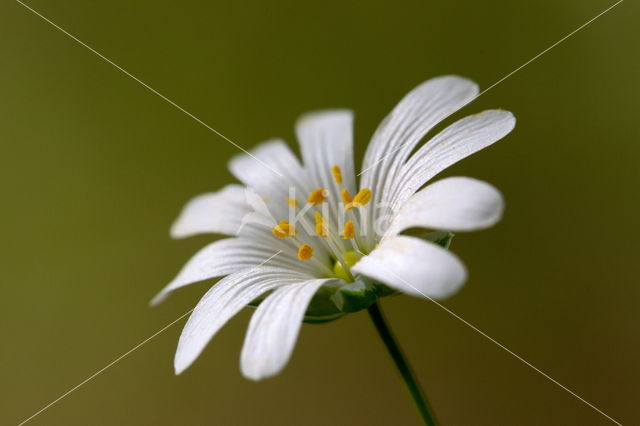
(274, 328)
(221, 303)
(277, 155)
(458, 141)
(326, 140)
(260, 214)
(452, 204)
(399, 133)
(417, 113)
(226, 257)
(272, 187)
(216, 212)
(415, 267)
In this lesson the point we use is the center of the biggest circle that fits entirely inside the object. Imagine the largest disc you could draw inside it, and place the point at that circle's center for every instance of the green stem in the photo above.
(403, 366)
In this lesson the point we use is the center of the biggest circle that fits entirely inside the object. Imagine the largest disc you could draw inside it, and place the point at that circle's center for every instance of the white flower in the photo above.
(344, 247)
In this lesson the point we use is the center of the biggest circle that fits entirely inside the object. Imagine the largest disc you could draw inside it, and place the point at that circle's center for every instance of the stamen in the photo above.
(284, 229)
(321, 228)
(317, 196)
(292, 202)
(305, 252)
(346, 198)
(362, 197)
(348, 231)
(337, 174)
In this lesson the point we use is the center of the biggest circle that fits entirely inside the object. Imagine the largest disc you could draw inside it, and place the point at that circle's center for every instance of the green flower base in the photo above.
(331, 303)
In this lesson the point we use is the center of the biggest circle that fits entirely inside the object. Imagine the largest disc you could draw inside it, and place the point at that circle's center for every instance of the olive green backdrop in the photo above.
(94, 168)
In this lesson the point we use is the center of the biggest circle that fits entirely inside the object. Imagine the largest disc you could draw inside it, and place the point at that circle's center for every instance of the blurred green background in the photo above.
(95, 168)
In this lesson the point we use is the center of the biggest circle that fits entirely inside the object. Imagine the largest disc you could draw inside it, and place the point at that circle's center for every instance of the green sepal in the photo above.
(441, 238)
(310, 319)
(331, 303)
(360, 294)
(321, 308)
(354, 296)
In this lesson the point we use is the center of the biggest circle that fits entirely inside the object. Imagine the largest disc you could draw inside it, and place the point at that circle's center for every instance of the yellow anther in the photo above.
(321, 228)
(292, 202)
(362, 197)
(349, 230)
(284, 229)
(317, 196)
(346, 198)
(305, 252)
(337, 174)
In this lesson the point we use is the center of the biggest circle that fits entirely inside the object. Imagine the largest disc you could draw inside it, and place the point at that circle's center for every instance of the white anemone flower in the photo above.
(309, 243)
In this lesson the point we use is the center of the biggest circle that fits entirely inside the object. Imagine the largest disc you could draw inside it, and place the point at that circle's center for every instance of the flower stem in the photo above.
(413, 386)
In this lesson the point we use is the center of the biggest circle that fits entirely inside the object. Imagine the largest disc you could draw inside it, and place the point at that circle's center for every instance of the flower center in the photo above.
(350, 258)
(337, 235)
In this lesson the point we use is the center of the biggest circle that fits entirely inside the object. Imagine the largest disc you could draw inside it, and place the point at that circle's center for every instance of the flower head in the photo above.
(308, 243)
